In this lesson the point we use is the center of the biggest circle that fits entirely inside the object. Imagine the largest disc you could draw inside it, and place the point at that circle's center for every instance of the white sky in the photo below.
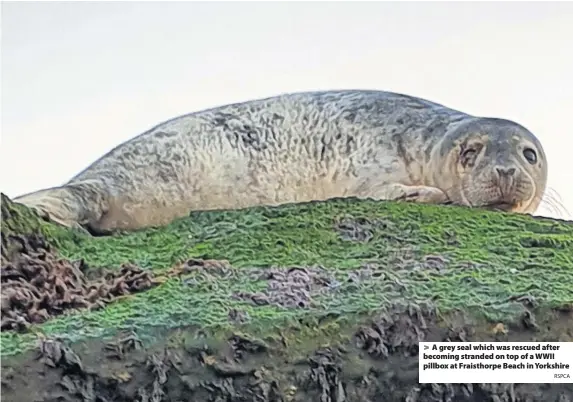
(80, 78)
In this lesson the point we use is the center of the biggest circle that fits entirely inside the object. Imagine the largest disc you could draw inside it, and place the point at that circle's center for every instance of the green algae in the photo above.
(305, 235)
(489, 260)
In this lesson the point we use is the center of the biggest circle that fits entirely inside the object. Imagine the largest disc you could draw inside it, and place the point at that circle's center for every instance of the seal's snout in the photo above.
(505, 178)
(504, 172)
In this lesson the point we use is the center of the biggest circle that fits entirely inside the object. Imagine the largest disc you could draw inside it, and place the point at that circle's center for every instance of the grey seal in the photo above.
(303, 147)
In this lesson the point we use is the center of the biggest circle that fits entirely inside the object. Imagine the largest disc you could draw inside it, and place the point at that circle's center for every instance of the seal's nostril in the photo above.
(503, 171)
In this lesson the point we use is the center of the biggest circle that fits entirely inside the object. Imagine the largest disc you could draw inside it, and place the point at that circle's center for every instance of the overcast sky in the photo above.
(79, 78)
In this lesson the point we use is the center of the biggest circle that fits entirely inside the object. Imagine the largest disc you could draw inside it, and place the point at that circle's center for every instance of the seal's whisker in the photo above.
(553, 202)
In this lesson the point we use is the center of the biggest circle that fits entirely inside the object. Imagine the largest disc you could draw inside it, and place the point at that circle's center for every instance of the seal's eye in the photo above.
(468, 157)
(530, 155)
(469, 153)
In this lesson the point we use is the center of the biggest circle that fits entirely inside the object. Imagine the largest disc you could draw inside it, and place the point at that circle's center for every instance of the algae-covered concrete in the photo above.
(323, 301)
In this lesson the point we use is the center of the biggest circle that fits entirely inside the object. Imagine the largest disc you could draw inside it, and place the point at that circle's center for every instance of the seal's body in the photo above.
(303, 147)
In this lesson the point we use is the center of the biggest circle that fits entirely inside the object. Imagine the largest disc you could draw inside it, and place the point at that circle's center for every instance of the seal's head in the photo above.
(491, 163)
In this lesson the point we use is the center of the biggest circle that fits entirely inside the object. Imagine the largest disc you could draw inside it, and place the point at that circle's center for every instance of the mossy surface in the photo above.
(481, 262)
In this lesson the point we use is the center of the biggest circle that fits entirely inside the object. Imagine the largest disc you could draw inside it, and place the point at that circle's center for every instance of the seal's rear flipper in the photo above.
(71, 205)
(97, 230)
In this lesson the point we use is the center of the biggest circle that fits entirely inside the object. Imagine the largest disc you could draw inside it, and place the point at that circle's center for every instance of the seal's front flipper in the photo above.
(423, 194)
(402, 192)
